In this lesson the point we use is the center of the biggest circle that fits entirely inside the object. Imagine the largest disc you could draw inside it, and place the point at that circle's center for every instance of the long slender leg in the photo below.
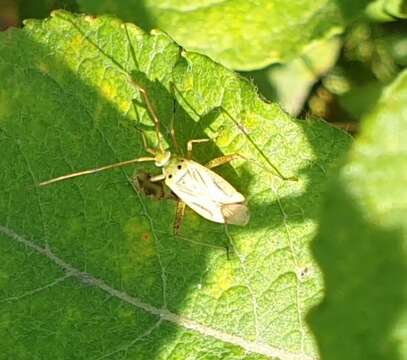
(245, 132)
(144, 94)
(229, 242)
(172, 130)
(179, 215)
(148, 149)
(223, 160)
(151, 111)
(261, 153)
(156, 178)
(183, 99)
(143, 136)
(190, 144)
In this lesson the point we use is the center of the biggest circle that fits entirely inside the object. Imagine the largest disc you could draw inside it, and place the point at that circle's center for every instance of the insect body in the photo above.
(195, 185)
(205, 192)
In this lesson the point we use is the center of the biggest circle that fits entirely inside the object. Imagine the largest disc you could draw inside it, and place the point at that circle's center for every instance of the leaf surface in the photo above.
(241, 34)
(389, 10)
(91, 268)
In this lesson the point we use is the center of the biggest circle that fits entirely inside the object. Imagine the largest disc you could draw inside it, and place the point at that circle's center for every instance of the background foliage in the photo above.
(91, 269)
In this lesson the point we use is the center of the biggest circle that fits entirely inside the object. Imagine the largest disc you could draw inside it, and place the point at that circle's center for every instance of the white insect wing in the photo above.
(204, 191)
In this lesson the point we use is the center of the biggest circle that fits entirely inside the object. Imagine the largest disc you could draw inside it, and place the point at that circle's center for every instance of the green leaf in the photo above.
(361, 245)
(361, 99)
(91, 268)
(240, 34)
(387, 10)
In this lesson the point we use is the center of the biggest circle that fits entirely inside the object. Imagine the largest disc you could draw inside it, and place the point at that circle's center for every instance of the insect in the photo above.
(195, 185)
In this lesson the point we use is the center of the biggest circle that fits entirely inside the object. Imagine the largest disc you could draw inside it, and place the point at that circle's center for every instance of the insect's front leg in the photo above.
(145, 144)
(191, 143)
(179, 216)
(157, 178)
(150, 109)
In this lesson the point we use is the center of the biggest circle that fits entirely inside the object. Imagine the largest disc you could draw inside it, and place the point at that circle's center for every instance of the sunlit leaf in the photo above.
(241, 34)
(91, 268)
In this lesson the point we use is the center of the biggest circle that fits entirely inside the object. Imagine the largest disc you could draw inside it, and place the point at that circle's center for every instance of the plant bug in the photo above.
(195, 185)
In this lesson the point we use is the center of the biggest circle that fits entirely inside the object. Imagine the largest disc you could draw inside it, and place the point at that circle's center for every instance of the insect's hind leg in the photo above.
(179, 216)
(245, 132)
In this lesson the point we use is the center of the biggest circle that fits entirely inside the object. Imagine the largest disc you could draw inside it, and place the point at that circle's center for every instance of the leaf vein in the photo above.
(179, 320)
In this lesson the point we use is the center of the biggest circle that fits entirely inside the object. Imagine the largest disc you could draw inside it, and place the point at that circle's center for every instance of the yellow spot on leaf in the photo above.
(220, 280)
(140, 241)
(44, 68)
(251, 121)
(90, 18)
(140, 254)
(223, 139)
(124, 106)
(108, 91)
(76, 41)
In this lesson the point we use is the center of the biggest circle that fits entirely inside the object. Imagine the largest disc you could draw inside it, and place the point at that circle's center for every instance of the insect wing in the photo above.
(204, 191)
(236, 214)
(213, 185)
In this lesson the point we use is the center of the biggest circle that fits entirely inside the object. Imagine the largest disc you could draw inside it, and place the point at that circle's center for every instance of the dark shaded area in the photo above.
(39, 9)
(8, 14)
(134, 11)
(352, 9)
(14, 12)
(365, 275)
(260, 79)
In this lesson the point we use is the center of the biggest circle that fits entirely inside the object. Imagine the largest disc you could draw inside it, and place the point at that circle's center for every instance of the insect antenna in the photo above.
(144, 95)
(95, 170)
